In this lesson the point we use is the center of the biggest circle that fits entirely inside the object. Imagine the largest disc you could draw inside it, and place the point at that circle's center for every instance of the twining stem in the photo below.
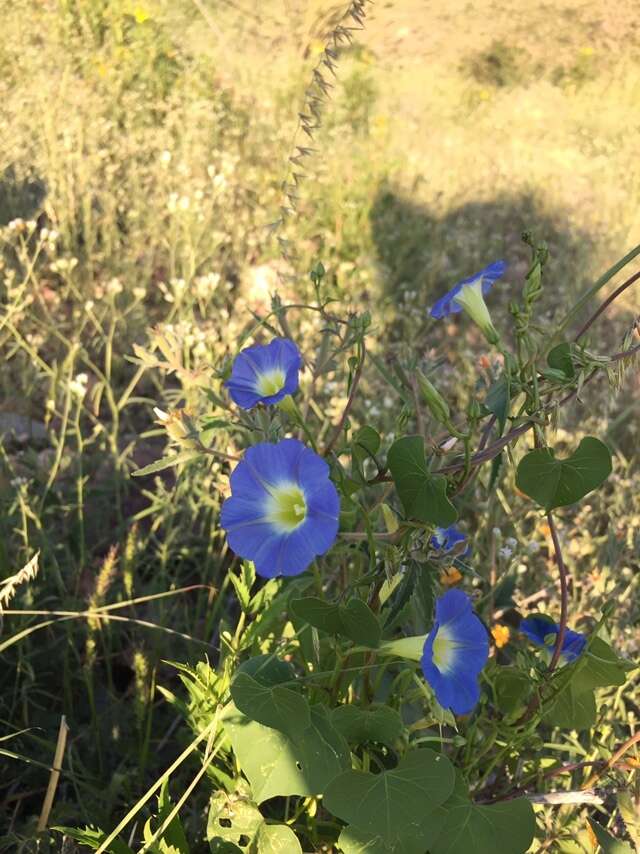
(605, 305)
(612, 760)
(564, 594)
(602, 281)
(335, 436)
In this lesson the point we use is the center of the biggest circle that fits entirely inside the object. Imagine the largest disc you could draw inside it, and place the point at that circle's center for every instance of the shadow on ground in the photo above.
(19, 197)
(426, 253)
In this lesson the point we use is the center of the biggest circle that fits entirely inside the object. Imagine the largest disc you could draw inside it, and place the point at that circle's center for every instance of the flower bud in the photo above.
(435, 401)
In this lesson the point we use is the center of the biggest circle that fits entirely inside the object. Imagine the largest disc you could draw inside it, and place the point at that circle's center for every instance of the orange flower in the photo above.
(501, 635)
(450, 576)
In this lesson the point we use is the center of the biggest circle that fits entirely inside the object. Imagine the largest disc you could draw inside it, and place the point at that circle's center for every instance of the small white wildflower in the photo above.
(89, 304)
(78, 385)
(533, 548)
(160, 414)
(496, 532)
(44, 234)
(17, 482)
(114, 287)
(165, 157)
(184, 203)
(511, 542)
(505, 552)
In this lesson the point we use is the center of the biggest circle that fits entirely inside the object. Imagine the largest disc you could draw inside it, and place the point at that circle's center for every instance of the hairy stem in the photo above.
(564, 594)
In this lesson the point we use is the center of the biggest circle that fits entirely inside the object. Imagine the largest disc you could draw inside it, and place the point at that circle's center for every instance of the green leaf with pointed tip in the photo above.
(392, 804)
(354, 620)
(166, 463)
(629, 806)
(608, 843)
(267, 670)
(273, 706)
(355, 841)
(512, 688)
(291, 762)
(462, 827)
(423, 495)
(358, 725)
(573, 708)
(560, 359)
(498, 400)
(598, 667)
(93, 838)
(558, 483)
(277, 839)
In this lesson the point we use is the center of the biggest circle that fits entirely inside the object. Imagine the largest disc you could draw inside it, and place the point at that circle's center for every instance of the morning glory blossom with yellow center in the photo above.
(455, 651)
(469, 295)
(264, 373)
(283, 510)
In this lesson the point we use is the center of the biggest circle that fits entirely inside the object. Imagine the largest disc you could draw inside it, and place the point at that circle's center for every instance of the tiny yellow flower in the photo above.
(450, 576)
(140, 15)
(501, 635)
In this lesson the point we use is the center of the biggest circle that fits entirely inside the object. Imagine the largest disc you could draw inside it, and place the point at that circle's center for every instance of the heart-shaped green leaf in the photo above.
(558, 483)
(423, 495)
(273, 706)
(358, 725)
(393, 803)
(574, 706)
(462, 827)
(291, 762)
(355, 620)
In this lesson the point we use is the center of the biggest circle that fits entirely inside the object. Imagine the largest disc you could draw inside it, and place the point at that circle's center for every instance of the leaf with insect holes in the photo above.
(292, 761)
(423, 495)
(558, 483)
(236, 824)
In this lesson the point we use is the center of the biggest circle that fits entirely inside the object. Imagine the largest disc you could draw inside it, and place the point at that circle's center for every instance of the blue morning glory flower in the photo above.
(454, 653)
(543, 632)
(264, 373)
(283, 510)
(444, 539)
(469, 295)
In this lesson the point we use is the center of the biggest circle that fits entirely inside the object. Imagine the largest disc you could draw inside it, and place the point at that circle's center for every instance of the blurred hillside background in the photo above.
(143, 146)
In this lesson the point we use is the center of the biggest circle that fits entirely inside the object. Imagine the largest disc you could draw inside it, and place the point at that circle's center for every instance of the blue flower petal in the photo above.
(283, 510)
(455, 651)
(447, 304)
(444, 539)
(264, 373)
(539, 627)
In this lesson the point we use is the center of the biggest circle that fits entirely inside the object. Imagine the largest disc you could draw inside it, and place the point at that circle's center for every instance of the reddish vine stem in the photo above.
(605, 305)
(613, 759)
(564, 594)
(350, 401)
